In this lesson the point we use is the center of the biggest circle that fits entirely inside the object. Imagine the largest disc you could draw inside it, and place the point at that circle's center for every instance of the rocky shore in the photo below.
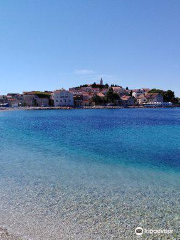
(83, 107)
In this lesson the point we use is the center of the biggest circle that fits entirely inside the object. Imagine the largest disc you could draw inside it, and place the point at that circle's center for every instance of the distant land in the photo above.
(95, 94)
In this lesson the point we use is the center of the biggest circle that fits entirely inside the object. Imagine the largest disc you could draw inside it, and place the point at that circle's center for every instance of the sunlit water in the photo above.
(89, 174)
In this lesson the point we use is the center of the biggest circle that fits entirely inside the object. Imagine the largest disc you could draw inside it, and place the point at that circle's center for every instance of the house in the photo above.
(14, 99)
(12, 102)
(127, 100)
(138, 92)
(28, 98)
(150, 98)
(86, 89)
(95, 90)
(42, 102)
(119, 90)
(78, 99)
(36, 98)
(141, 99)
(104, 90)
(154, 97)
(63, 97)
(86, 99)
(101, 95)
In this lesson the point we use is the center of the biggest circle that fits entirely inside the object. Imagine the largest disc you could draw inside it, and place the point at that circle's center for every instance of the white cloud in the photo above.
(83, 71)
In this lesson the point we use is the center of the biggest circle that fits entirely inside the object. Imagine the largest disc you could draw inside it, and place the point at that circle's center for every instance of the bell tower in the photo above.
(101, 81)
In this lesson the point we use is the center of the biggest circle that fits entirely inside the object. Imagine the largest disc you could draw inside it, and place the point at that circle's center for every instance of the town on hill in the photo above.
(96, 94)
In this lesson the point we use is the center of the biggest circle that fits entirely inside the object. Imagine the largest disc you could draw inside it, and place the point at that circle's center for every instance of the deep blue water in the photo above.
(51, 160)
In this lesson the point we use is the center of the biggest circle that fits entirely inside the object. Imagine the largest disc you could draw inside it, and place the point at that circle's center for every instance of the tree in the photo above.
(106, 85)
(94, 85)
(168, 95)
(85, 85)
(97, 100)
(111, 97)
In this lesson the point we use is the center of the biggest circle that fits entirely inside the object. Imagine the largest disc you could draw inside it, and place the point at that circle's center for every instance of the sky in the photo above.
(50, 44)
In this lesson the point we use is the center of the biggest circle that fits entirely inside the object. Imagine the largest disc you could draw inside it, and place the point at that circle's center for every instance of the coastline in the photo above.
(84, 107)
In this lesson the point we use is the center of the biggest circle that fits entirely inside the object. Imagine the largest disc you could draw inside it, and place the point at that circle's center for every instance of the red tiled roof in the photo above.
(125, 97)
(151, 95)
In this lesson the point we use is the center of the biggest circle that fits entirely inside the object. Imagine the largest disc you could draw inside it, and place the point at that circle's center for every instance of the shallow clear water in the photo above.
(89, 174)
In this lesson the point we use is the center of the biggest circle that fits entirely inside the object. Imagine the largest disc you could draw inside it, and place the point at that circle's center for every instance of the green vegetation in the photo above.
(94, 85)
(85, 85)
(114, 85)
(97, 100)
(168, 95)
(111, 97)
(42, 94)
(130, 94)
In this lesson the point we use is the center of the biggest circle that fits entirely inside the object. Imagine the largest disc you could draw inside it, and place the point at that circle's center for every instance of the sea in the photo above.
(90, 174)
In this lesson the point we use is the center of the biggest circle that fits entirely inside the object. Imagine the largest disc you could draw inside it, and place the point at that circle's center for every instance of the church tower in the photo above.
(101, 82)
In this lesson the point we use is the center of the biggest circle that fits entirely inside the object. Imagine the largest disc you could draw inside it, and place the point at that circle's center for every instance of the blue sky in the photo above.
(49, 44)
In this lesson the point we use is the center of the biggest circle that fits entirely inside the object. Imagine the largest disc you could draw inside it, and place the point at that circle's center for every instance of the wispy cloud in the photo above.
(83, 72)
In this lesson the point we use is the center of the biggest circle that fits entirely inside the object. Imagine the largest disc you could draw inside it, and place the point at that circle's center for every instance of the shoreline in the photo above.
(84, 107)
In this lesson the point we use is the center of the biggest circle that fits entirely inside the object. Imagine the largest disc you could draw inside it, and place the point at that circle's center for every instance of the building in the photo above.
(86, 89)
(127, 100)
(63, 98)
(101, 81)
(29, 98)
(119, 90)
(150, 98)
(102, 95)
(86, 99)
(95, 90)
(78, 99)
(154, 97)
(42, 102)
(104, 90)
(14, 99)
(141, 99)
(138, 92)
(36, 98)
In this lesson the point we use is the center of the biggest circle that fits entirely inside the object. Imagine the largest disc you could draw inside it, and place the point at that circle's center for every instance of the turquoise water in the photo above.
(89, 174)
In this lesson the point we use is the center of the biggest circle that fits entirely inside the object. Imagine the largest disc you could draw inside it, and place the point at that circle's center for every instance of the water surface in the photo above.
(89, 174)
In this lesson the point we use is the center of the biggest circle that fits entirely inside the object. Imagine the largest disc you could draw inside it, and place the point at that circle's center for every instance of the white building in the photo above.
(138, 92)
(63, 98)
(150, 98)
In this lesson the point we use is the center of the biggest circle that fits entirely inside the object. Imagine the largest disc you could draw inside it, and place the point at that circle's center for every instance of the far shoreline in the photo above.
(83, 108)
